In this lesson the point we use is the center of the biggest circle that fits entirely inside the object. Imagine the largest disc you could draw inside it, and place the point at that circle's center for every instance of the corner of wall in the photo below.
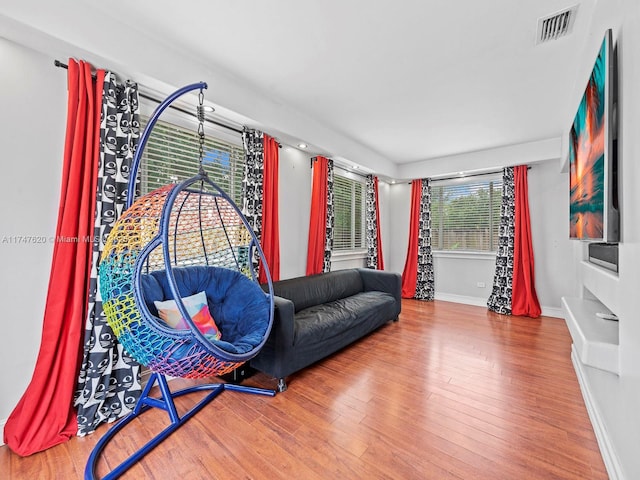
(3, 422)
(564, 153)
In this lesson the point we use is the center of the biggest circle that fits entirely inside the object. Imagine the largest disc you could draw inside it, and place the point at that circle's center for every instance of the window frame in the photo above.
(492, 179)
(353, 249)
(213, 133)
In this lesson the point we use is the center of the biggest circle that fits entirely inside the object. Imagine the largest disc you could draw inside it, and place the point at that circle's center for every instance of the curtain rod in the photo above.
(58, 63)
(343, 168)
(358, 174)
(492, 172)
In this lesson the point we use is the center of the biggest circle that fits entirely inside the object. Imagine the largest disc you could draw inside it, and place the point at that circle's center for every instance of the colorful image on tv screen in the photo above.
(586, 157)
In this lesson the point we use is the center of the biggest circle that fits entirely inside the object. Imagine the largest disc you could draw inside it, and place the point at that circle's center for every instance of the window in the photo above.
(171, 155)
(348, 201)
(465, 213)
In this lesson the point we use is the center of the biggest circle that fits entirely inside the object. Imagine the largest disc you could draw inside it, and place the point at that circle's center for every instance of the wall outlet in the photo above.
(480, 285)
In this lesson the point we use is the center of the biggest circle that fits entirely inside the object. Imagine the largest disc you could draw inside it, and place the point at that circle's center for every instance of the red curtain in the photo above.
(524, 300)
(378, 236)
(270, 241)
(44, 416)
(318, 219)
(410, 272)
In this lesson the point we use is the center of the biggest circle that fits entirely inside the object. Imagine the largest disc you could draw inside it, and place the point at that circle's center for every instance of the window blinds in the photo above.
(348, 200)
(465, 213)
(171, 155)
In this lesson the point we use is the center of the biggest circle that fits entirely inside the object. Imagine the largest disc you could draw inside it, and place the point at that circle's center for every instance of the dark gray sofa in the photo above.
(317, 315)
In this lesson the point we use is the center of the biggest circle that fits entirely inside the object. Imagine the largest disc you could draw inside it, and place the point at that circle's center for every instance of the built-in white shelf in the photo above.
(602, 283)
(611, 401)
(595, 340)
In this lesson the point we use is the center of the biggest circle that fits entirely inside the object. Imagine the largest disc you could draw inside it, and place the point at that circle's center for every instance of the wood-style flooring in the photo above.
(449, 391)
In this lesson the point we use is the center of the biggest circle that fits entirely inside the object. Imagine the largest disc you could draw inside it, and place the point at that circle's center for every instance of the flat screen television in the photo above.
(593, 208)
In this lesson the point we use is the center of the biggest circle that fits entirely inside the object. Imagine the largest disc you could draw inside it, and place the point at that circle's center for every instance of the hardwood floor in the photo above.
(449, 391)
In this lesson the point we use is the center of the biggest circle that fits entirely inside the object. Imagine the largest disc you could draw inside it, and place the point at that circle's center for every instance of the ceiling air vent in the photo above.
(556, 25)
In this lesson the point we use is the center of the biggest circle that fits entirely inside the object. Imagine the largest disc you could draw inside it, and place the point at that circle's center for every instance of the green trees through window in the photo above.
(348, 200)
(465, 213)
(171, 155)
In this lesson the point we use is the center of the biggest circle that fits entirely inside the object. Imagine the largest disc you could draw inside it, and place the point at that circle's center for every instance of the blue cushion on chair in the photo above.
(239, 306)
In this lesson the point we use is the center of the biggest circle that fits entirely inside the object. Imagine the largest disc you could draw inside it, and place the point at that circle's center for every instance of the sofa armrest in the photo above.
(381, 281)
(283, 324)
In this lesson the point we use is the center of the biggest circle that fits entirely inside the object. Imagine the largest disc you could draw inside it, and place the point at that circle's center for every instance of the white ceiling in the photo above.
(398, 81)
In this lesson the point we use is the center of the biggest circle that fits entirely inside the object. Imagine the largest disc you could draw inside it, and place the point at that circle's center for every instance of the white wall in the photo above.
(624, 409)
(629, 111)
(385, 218)
(398, 201)
(506, 156)
(556, 275)
(464, 278)
(295, 205)
(32, 120)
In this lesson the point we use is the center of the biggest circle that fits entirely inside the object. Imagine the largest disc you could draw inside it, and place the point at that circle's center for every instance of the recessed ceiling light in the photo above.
(356, 167)
(393, 182)
(302, 145)
(209, 109)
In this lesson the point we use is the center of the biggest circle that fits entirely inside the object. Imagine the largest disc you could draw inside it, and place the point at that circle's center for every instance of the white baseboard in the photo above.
(552, 312)
(3, 422)
(607, 451)
(482, 302)
(450, 297)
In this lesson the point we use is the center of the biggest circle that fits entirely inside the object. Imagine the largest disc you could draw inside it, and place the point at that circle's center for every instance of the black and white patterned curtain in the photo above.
(371, 222)
(425, 284)
(252, 184)
(500, 298)
(109, 379)
(328, 243)
(253, 178)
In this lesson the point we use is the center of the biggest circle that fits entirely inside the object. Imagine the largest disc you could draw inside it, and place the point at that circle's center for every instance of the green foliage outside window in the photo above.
(348, 232)
(465, 215)
(172, 155)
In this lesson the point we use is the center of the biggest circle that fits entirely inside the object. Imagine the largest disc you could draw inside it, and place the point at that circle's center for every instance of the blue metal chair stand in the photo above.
(166, 403)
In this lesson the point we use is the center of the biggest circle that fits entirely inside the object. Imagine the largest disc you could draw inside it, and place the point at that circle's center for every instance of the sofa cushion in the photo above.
(306, 292)
(322, 322)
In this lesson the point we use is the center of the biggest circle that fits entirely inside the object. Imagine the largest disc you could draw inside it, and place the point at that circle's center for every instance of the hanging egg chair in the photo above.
(180, 290)
(171, 244)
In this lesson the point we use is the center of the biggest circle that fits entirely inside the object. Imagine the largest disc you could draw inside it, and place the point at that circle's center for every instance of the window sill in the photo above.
(468, 255)
(344, 255)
